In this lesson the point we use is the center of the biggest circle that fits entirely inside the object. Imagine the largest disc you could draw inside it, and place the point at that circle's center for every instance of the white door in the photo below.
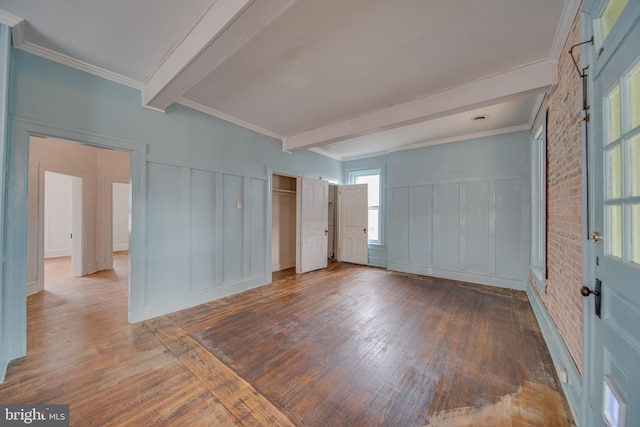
(313, 224)
(612, 312)
(353, 217)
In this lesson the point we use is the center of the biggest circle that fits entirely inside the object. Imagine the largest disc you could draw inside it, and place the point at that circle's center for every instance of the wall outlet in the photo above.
(430, 271)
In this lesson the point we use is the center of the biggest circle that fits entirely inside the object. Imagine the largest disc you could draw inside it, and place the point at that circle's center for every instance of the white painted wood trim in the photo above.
(18, 27)
(55, 253)
(77, 64)
(219, 114)
(34, 287)
(210, 26)
(527, 80)
(221, 31)
(569, 13)
(9, 19)
(500, 282)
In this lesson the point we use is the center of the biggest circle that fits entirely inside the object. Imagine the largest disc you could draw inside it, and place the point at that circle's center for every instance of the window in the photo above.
(622, 167)
(610, 14)
(372, 179)
(538, 200)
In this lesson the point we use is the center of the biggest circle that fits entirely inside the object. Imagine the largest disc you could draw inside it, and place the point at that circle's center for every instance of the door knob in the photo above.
(585, 291)
(365, 230)
(595, 237)
(326, 232)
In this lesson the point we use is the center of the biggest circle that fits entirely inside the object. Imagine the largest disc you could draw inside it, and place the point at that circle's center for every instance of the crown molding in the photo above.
(465, 137)
(569, 12)
(528, 79)
(426, 143)
(77, 64)
(215, 113)
(9, 19)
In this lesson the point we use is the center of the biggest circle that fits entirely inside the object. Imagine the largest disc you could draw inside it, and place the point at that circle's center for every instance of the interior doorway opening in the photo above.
(63, 222)
(77, 194)
(283, 222)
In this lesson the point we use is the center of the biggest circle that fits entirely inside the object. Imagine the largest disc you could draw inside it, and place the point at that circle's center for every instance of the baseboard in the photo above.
(90, 268)
(55, 253)
(3, 370)
(500, 282)
(33, 288)
(283, 265)
(120, 247)
(196, 298)
(560, 355)
(376, 262)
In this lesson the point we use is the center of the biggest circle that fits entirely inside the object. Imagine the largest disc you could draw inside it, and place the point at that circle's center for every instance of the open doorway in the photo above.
(283, 223)
(73, 208)
(62, 224)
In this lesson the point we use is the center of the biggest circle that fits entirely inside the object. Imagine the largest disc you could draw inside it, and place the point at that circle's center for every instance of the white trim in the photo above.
(525, 80)
(220, 31)
(463, 276)
(56, 253)
(34, 287)
(174, 76)
(536, 109)
(25, 127)
(215, 113)
(60, 58)
(569, 12)
(9, 19)
(426, 143)
(465, 137)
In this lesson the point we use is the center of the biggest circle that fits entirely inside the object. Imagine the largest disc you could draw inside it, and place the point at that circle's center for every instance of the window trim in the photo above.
(352, 176)
(538, 211)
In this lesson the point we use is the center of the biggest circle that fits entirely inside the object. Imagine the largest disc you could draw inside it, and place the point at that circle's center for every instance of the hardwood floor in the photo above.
(345, 346)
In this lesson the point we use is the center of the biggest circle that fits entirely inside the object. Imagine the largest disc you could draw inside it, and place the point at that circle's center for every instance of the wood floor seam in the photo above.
(241, 399)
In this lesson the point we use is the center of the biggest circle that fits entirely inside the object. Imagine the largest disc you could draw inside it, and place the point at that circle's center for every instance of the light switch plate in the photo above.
(239, 205)
(614, 407)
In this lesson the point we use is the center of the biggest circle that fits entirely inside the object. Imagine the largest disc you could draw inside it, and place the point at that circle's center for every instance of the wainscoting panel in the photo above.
(470, 230)
(202, 230)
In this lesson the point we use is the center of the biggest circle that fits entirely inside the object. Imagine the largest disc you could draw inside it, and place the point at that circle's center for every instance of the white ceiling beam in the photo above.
(223, 29)
(525, 80)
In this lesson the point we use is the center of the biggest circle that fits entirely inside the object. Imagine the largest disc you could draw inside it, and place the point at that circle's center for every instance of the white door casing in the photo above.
(353, 232)
(313, 209)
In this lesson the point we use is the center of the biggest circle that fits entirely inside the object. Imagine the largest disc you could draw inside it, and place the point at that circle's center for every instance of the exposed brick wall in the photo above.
(564, 201)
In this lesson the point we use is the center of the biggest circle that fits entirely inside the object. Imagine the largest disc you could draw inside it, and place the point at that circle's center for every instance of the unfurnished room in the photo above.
(320, 213)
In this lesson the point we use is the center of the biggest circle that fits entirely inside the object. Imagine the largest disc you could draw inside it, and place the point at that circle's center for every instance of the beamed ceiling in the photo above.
(345, 78)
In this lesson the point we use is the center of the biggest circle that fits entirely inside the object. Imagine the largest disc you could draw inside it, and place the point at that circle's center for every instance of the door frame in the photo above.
(591, 343)
(15, 224)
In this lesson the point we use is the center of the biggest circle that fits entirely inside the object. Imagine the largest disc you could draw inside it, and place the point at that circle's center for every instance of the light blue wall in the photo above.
(5, 67)
(461, 209)
(190, 171)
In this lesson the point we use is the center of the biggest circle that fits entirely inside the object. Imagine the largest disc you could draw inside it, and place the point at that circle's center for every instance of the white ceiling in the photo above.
(350, 78)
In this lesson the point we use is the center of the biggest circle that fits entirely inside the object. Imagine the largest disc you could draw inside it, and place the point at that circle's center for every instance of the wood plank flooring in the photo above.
(345, 346)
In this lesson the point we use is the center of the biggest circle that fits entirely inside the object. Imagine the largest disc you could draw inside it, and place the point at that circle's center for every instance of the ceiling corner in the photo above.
(567, 17)
(225, 27)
